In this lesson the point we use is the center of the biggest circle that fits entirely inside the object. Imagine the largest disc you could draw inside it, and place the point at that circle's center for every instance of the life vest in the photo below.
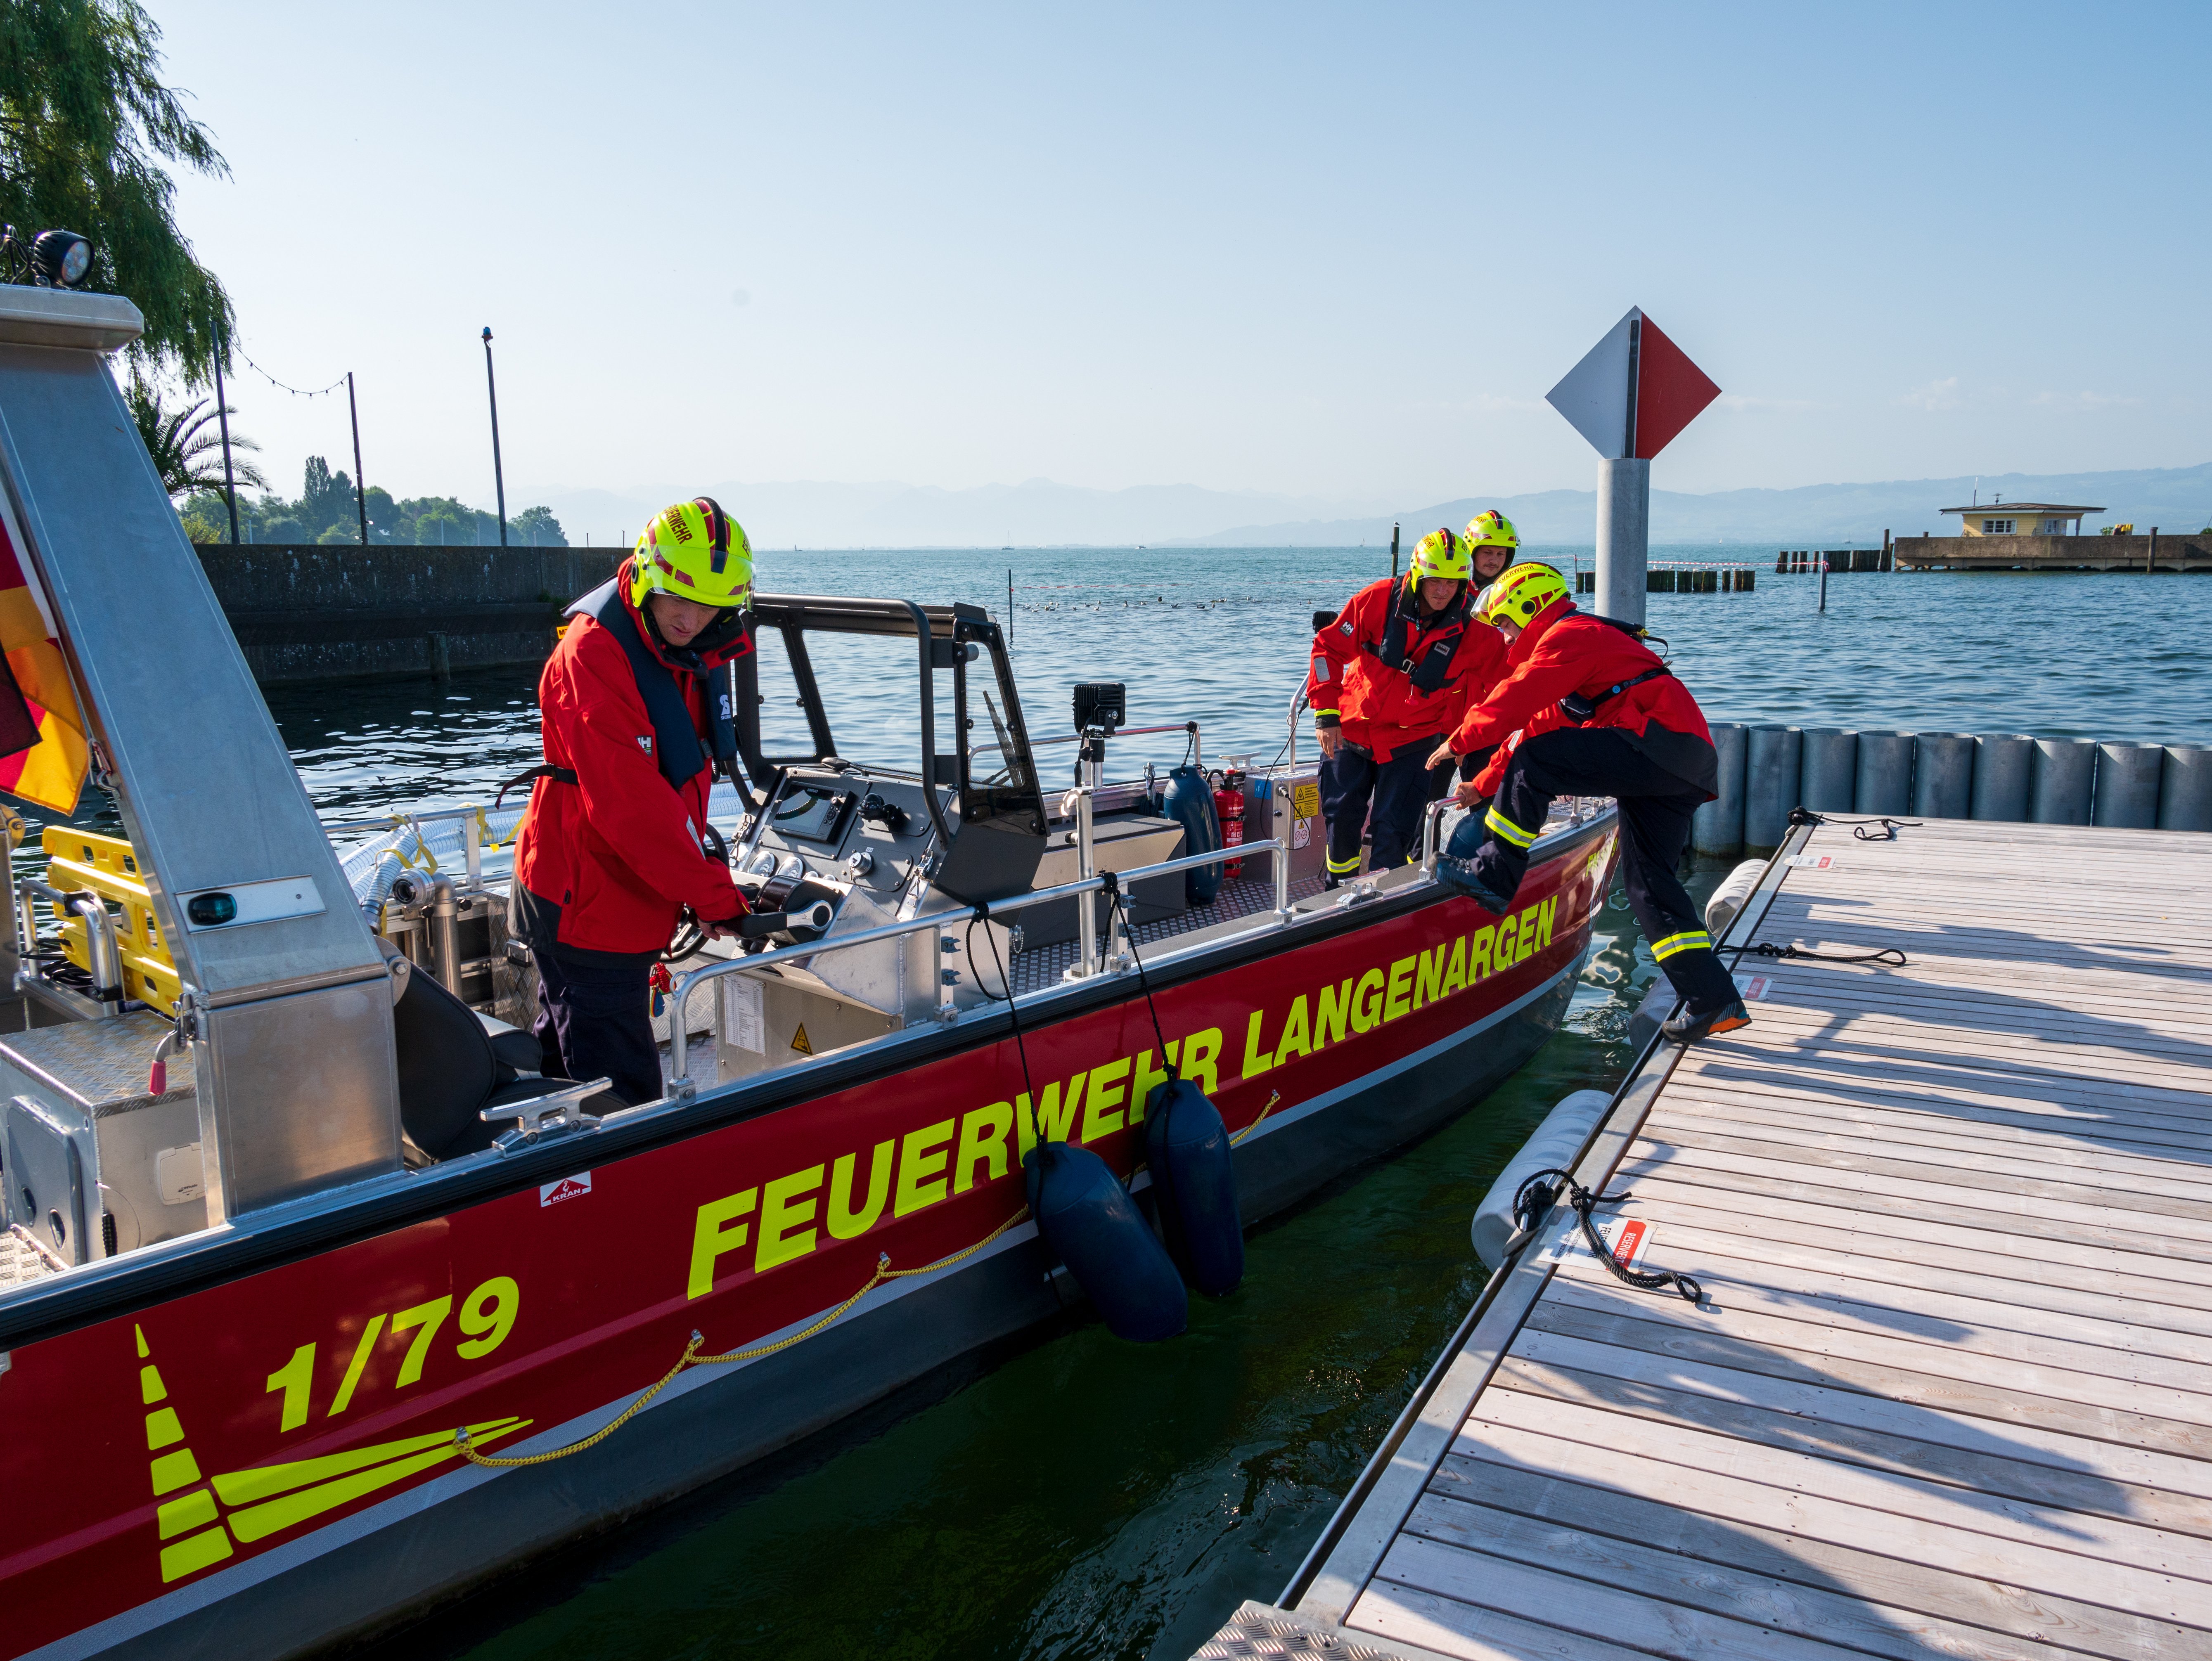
(676, 749)
(1580, 707)
(1428, 672)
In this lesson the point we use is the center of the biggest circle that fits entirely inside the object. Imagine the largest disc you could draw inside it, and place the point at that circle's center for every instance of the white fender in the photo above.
(1554, 1144)
(1731, 897)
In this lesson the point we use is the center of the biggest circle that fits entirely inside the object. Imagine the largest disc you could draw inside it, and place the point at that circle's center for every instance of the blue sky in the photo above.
(1335, 254)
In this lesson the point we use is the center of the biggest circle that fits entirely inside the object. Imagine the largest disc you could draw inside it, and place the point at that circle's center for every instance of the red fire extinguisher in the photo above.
(1229, 808)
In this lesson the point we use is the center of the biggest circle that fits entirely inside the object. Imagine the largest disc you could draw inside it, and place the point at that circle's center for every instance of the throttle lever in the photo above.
(812, 919)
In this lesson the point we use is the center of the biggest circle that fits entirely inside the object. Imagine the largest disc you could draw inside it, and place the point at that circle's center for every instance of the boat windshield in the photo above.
(870, 701)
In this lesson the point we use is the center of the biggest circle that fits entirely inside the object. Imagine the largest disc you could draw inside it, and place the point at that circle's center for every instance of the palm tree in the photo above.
(185, 444)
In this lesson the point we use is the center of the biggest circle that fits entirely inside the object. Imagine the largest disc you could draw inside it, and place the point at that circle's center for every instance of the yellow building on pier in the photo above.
(2003, 519)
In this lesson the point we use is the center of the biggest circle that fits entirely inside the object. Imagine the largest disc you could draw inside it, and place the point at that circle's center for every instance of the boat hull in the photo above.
(314, 1400)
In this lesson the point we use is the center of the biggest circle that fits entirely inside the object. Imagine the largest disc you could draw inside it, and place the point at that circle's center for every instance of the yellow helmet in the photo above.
(1519, 593)
(1440, 553)
(696, 552)
(1492, 528)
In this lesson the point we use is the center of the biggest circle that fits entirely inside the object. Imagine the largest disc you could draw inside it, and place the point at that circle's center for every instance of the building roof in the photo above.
(2065, 509)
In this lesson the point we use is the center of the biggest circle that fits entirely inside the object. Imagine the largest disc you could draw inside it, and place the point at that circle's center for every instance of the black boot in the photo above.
(1474, 864)
(1468, 877)
(1685, 1027)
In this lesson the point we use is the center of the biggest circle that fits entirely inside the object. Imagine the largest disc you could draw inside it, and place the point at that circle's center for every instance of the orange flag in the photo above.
(50, 771)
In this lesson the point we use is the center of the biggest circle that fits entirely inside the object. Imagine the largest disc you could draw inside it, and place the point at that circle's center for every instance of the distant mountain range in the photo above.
(2174, 497)
(1040, 513)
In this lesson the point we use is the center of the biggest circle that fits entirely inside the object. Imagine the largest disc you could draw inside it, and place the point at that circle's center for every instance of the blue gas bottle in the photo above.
(1194, 1187)
(1087, 1217)
(1188, 800)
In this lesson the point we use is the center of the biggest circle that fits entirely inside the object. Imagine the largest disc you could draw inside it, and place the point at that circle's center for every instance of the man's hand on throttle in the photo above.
(726, 928)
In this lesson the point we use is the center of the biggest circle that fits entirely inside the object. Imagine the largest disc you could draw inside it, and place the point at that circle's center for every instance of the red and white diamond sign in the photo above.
(1633, 392)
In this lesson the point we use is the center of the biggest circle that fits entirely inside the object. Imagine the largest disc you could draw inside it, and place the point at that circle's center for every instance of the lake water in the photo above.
(1073, 1496)
(1220, 636)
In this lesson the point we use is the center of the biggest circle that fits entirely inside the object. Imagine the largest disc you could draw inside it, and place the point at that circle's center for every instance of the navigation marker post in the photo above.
(1630, 395)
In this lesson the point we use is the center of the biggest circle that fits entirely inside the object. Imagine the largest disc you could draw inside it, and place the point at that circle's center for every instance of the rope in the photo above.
(1273, 1097)
(1013, 1011)
(1864, 829)
(1129, 935)
(1535, 1196)
(1889, 955)
(691, 1357)
(401, 822)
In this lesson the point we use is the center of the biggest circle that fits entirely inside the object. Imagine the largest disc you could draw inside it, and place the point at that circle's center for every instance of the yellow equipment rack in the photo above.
(109, 868)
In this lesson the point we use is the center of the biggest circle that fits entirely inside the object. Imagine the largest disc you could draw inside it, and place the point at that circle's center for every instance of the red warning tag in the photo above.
(1625, 1237)
(1810, 862)
(1753, 988)
(1628, 1243)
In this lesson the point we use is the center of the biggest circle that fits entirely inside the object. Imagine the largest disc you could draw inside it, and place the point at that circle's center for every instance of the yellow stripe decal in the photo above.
(1695, 940)
(241, 1488)
(1506, 828)
(189, 1557)
(260, 1521)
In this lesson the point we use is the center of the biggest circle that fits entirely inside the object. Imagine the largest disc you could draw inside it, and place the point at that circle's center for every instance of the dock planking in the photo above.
(1949, 1391)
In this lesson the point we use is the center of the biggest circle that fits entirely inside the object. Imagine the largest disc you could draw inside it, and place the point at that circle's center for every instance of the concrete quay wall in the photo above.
(2177, 551)
(318, 611)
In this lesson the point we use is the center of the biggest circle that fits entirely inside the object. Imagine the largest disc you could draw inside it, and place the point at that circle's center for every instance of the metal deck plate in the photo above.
(99, 1065)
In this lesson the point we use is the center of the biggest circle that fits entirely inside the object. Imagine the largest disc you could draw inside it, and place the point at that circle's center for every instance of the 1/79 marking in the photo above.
(487, 1316)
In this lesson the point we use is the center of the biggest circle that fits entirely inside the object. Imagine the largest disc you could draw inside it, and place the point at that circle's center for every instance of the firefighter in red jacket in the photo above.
(1396, 667)
(610, 853)
(1588, 710)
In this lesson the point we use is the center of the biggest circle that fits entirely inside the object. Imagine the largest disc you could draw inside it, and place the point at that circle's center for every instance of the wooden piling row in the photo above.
(1684, 580)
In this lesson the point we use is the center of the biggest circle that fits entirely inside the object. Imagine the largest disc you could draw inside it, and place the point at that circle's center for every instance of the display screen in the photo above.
(814, 816)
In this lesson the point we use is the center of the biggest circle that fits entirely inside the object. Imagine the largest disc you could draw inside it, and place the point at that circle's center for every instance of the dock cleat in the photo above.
(1686, 1027)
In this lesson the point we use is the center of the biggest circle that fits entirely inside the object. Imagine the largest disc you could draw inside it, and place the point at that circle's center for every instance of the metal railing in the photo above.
(1198, 753)
(1432, 833)
(99, 935)
(680, 994)
(473, 825)
(391, 821)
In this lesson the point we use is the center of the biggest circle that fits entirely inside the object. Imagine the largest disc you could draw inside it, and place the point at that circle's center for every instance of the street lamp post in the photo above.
(499, 479)
(223, 420)
(359, 485)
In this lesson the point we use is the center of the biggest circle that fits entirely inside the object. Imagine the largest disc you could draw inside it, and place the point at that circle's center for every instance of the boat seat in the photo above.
(452, 1068)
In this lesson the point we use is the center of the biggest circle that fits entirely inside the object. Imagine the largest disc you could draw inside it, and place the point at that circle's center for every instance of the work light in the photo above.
(61, 257)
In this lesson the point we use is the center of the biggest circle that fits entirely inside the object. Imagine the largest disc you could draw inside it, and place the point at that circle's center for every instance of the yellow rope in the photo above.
(486, 836)
(1273, 1097)
(401, 822)
(691, 1357)
(461, 1436)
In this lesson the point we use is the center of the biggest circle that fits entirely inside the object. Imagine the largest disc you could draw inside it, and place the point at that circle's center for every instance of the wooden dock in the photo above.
(1949, 1391)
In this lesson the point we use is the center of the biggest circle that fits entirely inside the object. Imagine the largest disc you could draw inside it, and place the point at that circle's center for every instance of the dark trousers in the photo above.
(1655, 827)
(594, 1022)
(1399, 789)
